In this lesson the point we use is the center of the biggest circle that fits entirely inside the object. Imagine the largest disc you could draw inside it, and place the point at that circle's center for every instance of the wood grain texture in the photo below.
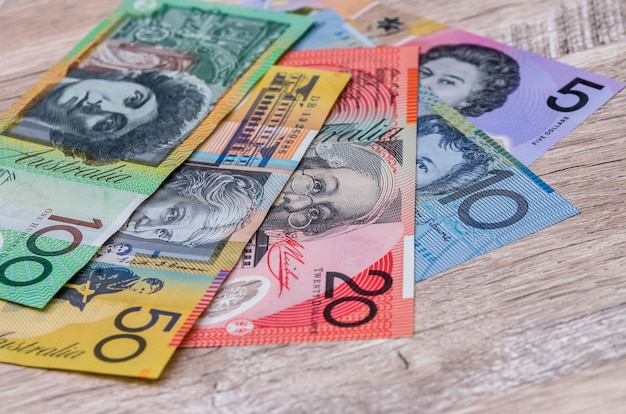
(535, 326)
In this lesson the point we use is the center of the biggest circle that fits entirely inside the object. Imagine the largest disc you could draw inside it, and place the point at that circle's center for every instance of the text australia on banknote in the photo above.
(126, 312)
(333, 258)
(103, 128)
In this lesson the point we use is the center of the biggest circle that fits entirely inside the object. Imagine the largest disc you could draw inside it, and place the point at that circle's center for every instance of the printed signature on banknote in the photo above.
(282, 260)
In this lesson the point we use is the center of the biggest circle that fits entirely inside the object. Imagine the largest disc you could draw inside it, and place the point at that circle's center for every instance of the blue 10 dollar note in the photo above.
(472, 196)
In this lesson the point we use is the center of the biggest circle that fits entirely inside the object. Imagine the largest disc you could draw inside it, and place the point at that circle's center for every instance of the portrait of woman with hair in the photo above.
(446, 160)
(471, 78)
(114, 116)
(195, 207)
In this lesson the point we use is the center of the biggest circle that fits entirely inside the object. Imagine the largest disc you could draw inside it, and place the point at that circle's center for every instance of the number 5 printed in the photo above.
(568, 90)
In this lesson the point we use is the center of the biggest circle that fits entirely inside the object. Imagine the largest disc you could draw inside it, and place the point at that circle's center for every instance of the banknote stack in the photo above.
(197, 174)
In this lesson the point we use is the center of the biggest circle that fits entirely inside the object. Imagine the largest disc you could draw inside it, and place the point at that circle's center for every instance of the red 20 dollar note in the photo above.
(333, 258)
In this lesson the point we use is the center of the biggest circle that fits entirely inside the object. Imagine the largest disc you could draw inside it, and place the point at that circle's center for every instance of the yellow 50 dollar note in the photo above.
(129, 308)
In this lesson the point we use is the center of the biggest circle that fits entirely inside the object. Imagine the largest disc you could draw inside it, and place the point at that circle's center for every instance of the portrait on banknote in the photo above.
(446, 159)
(335, 185)
(109, 116)
(143, 90)
(115, 253)
(195, 209)
(473, 79)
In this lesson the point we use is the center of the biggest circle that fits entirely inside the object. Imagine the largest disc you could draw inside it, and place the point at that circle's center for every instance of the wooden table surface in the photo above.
(535, 326)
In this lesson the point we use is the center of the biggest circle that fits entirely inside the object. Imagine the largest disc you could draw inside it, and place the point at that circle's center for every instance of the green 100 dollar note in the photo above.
(106, 125)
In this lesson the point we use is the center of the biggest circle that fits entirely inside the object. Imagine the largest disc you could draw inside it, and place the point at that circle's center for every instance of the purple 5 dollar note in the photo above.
(526, 102)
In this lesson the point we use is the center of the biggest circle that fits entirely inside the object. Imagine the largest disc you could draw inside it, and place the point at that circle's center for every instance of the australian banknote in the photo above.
(343, 8)
(333, 258)
(106, 125)
(330, 31)
(472, 195)
(129, 308)
(524, 101)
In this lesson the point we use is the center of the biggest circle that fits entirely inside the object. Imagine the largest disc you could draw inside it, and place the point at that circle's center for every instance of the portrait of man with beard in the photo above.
(113, 116)
(192, 212)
